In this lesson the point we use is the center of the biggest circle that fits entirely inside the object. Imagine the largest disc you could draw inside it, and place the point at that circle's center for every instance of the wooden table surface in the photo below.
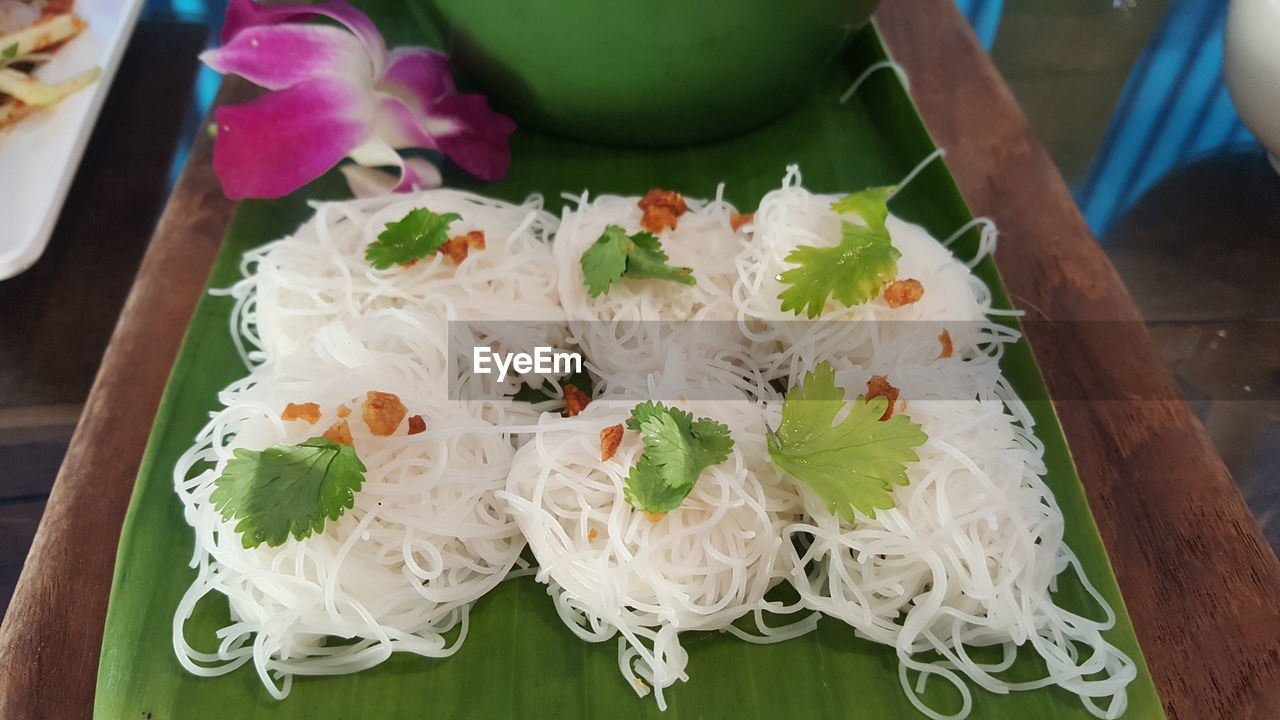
(1202, 586)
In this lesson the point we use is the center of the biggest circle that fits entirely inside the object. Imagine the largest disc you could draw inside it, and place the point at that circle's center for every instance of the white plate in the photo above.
(39, 155)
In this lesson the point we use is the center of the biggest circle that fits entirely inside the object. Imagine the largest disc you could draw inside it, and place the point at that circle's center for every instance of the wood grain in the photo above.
(18, 522)
(56, 318)
(50, 638)
(1200, 582)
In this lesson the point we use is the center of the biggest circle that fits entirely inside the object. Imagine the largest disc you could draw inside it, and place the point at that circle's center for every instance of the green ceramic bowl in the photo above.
(647, 72)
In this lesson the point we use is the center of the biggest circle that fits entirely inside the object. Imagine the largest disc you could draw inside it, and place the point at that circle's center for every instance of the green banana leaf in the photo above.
(519, 661)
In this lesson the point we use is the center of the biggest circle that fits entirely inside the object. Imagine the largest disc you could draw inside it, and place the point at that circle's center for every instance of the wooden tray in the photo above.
(1186, 567)
(876, 138)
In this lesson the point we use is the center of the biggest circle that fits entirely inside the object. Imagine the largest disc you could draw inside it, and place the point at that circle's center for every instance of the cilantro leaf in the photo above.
(647, 490)
(616, 254)
(714, 441)
(645, 259)
(604, 262)
(853, 465)
(872, 205)
(852, 272)
(677, 449)
(10, 52)
(413, 237)
(287, 489)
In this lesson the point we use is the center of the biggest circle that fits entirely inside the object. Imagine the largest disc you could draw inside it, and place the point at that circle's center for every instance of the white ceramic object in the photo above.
(1252, 66)
(39, 155)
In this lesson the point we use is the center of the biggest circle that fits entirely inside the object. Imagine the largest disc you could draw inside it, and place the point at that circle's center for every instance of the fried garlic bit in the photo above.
(903, 292)
(878, 386)
(340, 432)
(661, 208)
(575, 401)
(343, 411)
(457, 248)
(301, 411)
(610, 439)
(947, 348)
(383, 412)
(737, 220)
(417, 424)
(592, 535)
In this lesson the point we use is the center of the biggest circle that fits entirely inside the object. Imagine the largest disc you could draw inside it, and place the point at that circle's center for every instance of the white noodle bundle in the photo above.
(785, 344)
(425, 538)
(629, 330)
(968, 556)
(416, 344)
(966, 559)
(611, 571)
(296, 285)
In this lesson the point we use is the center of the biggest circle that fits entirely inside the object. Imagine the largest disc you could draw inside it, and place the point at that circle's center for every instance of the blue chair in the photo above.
(984, 15)
(1174, 107)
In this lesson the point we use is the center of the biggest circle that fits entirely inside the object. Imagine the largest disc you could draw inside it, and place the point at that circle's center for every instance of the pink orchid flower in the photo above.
(338, 92)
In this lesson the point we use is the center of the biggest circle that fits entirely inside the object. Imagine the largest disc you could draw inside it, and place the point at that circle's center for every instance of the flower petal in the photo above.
(243, 14)
(399, 127)
(277, 56)
(373, 152)
(479, 144)
(420, 174)
(419, 76)
(367, 182)
(415, 173)
(274, 145)
(461, 126)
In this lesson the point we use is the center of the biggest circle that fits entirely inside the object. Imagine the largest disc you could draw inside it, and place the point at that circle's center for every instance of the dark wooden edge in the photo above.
(51, 636)
(1201, 584)
(1200, 581)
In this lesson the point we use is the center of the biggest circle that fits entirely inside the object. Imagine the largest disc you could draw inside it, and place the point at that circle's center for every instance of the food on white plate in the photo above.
(30, 32)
